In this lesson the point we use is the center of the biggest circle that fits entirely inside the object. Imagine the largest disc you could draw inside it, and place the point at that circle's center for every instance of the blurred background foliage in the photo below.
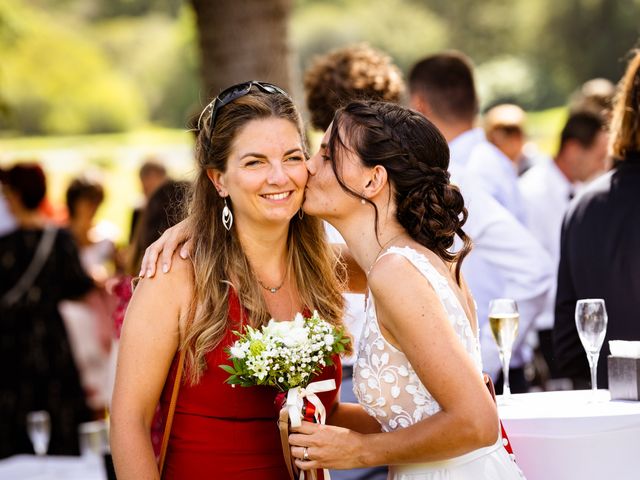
(88, 66)
(103, 84)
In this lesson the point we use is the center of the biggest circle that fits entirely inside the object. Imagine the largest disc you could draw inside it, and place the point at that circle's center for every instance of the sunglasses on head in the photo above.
(232, 93)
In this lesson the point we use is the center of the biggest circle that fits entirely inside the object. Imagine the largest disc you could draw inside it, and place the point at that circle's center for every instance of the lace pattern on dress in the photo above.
(385, 383)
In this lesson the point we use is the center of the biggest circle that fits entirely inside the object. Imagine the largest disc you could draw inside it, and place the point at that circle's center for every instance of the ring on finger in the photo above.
(305, 454)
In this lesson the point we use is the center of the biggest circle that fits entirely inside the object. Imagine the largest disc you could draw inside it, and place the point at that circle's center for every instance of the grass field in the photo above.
(115, 159)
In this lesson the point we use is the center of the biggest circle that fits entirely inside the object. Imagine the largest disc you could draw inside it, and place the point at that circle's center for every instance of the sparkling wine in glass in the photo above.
(39, 430)
(591, 323)
(503, 320)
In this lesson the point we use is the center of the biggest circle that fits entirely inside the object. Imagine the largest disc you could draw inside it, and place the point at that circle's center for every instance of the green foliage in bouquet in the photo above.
(284, 355)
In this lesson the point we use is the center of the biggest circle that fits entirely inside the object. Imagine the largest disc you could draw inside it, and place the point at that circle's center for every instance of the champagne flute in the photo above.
(39, 430)
(591, 323)
(503, 320)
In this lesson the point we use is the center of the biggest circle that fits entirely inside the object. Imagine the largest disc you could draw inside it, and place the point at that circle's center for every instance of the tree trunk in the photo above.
(243, 40)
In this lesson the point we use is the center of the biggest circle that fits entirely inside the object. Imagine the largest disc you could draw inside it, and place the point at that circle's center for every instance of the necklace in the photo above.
(273, 289)
(382, 248)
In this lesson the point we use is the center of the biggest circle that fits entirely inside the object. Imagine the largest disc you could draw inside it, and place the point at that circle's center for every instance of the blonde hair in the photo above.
(218, 258)
(625, 124)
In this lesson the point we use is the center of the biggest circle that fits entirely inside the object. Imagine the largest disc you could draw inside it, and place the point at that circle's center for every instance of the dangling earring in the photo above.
(301, 214)
(227, 216)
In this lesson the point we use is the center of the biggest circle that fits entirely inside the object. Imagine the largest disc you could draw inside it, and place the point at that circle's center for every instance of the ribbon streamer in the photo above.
(296, 396)
(295, 403)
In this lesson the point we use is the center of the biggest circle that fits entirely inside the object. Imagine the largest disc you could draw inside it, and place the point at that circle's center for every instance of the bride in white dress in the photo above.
(381, 179)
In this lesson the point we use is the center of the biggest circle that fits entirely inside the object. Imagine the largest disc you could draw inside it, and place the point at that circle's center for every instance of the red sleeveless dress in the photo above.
(222, 432)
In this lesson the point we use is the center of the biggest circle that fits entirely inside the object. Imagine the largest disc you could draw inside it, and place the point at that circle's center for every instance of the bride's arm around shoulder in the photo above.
(412, 317)
(150, 337)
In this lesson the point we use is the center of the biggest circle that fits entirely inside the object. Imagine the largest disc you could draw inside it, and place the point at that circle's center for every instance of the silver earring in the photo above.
(301, 214)
(227, 216)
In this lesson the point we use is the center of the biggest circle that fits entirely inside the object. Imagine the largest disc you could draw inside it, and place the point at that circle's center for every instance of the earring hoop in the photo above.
(227, 216)
(300, 214)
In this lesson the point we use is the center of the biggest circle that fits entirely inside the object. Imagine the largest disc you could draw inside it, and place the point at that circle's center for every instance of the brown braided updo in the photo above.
(416, 157)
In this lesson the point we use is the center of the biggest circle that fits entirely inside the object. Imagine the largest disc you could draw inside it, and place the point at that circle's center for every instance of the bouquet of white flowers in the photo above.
(286, 355)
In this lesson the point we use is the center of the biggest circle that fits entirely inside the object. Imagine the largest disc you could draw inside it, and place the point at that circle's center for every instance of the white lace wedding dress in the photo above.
(389, 389)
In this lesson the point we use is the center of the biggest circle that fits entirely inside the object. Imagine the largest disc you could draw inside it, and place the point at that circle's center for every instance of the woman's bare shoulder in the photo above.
(177, 282)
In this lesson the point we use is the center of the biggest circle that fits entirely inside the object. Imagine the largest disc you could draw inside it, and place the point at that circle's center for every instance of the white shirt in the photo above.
(546, 192)
(7, 222)
(354, 303)
(496, 174)
(506, 260)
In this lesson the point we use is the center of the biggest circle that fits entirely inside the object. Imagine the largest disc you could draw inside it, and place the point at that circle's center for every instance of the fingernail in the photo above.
(165, 268)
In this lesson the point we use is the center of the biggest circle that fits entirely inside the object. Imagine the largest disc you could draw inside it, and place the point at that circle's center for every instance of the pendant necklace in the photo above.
(272, 289)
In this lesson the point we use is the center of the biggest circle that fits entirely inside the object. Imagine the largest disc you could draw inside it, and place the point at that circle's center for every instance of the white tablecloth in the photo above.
(564, 436)
(30, 467)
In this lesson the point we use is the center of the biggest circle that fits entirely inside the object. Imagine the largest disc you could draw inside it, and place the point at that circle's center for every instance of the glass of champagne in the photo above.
(39, 430)
(591, 323)
(503, 320)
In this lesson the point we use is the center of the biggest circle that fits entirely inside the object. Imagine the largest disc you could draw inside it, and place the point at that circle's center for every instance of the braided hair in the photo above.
(416, 157)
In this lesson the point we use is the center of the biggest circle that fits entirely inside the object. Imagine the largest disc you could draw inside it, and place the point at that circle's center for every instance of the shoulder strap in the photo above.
(29, 276)
(174, 397)
(170, 412)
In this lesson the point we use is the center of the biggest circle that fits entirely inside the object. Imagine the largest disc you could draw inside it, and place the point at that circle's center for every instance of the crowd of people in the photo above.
(434, 209)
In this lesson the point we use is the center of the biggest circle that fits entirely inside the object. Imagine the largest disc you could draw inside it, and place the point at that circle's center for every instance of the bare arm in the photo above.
(354, 417)
(148, 344)
(412, 317)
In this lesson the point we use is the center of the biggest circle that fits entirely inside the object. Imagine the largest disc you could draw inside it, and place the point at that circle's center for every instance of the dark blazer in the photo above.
(600, 258)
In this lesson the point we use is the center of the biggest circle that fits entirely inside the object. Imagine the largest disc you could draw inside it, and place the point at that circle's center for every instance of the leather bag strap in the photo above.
(170, 412)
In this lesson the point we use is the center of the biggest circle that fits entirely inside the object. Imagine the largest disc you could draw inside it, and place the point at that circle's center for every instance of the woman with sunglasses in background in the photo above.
(254, 257)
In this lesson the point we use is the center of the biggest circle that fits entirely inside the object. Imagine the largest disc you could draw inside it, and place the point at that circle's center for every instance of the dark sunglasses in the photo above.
(233, 93)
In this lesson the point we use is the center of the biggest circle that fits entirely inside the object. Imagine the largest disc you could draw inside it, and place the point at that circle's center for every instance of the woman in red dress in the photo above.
(255, 257)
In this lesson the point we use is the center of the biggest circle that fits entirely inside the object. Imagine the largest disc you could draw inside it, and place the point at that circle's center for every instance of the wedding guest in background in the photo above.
(333, 80)
(88, 322)
(152, 174)
(595, 96)
(548, 188)
(7, 222)
(255, 257)
(349, 73)
(442, 88)
(599, 243)
(39, 267)
(504, 127)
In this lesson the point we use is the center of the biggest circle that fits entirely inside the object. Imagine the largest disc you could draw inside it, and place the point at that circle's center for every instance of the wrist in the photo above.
(366, 450)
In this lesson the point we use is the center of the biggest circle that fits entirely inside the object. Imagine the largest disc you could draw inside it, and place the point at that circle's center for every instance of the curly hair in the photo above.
(625, 124)
(355, 72)
(416, 157)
